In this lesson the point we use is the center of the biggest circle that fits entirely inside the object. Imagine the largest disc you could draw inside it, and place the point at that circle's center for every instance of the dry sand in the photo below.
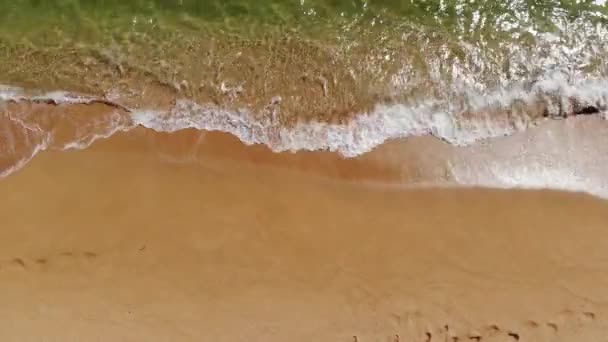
(116, 243)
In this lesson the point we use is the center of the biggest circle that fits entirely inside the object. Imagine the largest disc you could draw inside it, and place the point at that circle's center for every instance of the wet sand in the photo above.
(118, 242)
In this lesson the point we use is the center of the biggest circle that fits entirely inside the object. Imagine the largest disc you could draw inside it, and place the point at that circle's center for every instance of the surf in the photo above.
(37, 121)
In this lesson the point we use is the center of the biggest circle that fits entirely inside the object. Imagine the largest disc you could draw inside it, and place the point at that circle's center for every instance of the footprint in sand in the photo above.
(538, 330)
(489, 333)
(18, 262)
(566, 323)
(474, 336)
(450, 334)
(90, 255)
(41, 263)
(494, 332)
(14, 264)
(573, 320)
(69, 258)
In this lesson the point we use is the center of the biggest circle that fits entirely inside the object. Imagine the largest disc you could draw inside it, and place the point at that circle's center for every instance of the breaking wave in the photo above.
(478, 117)
(468, 124)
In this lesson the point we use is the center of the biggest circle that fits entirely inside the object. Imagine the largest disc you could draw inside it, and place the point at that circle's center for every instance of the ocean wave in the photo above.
(459, 121)
(462, 122)
(26, 131)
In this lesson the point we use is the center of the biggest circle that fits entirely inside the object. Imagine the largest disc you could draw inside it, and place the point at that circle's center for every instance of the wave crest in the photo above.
(470, 118)
(30, 124)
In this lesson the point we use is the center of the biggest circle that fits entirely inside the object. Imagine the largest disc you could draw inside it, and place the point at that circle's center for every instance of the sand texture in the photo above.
(119, 243)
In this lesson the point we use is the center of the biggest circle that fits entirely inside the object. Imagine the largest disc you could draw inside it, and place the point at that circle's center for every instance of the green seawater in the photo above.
(74, 16)
(340, 53)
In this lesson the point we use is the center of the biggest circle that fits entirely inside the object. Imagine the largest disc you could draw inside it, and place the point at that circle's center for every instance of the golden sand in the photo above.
(120, 242)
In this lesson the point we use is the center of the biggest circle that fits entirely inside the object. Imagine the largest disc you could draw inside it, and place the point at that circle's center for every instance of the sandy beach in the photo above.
(303, 171)
(118, 243)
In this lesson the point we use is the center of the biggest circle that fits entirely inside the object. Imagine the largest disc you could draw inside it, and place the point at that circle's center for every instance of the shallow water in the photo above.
(343, 76)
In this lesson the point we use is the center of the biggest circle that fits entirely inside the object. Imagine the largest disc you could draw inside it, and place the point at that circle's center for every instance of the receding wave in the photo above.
(548, 156)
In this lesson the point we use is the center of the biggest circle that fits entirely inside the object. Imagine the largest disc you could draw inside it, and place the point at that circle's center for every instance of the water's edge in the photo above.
(472, 136)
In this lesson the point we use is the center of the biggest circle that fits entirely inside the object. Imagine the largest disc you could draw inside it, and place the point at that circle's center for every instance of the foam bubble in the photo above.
(26, 135)
(478, 117)
(462, 121)
(64, 97)
(21, 162)
(8, 93)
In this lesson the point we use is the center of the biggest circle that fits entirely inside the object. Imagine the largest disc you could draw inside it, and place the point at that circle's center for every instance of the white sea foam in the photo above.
(111, 124)
(36, 139)
(358, 136)
(21, 162)
(64, 97)
(8, 93)
(442, 118)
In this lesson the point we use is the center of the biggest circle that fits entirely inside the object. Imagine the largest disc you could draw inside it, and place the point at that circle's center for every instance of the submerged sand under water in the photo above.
(133, 239)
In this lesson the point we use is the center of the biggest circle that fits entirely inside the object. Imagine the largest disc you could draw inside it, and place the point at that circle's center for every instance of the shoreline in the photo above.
(303, 171)
(559, 154)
